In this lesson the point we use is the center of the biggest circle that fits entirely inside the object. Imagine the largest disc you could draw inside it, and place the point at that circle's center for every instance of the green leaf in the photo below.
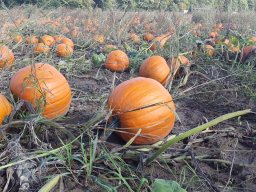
(161, 185)
(98, 59)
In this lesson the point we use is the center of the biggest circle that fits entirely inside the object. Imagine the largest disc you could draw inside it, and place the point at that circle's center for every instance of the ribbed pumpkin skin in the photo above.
(5, 108)
(6, 56)
(155, 67)
(117, 60)
(64, 50)
(48, 40)
(52, 83)
(127, 101)
(68, 41)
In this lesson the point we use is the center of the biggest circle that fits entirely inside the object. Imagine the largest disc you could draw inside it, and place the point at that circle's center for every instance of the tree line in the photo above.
(170, 5)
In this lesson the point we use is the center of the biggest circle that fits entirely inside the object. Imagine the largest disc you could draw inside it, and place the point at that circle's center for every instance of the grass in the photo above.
(76, 152)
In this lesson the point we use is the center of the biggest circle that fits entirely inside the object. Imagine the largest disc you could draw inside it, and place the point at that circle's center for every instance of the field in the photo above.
(82, 151)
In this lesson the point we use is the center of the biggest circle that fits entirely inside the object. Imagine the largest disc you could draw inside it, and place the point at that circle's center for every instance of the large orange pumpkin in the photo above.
(117, 60)
(64, 50)
(6, 56)
(44, 87)
(143, 103)
(5, 108)
(155, 67)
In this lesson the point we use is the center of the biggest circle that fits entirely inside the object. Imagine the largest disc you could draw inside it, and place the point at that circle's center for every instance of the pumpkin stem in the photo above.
(195, 131)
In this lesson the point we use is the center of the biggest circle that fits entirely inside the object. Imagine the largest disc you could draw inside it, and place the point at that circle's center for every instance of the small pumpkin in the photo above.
(142, 104)
(32, 40)
(148, 37)
(176, 63)
(41, 48)
(160, 41)
(209, 50)
(6, 56)
(44, 87)
(135, 38)
(99, 38)
(68, 41)
(18, 39)
(214, 35)
(247, 51)
(48, 40)
(155, 67)
(64, 50)
(5, 108)
(117, 60)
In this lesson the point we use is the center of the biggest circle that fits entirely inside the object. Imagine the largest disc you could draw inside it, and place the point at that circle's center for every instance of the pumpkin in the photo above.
(32, 40)
(160, 41)
(64, 50)
(247, 51)
(44, 87)
(135, 38)
(99, 38)
(176, 63)
(155, 67)
(213, 35)
(18, 39)
(48, 40)
(41, 48)
(142, 104)
(117, 60)
(209, 50)
(6, 56)
(68, 41)
(5, 108)
(148, 37)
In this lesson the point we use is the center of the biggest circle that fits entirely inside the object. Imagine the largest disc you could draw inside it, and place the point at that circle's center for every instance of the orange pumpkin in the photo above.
(68, 41)
(99, 38)
(135, 38)
(5, 108)
(117, 60)
(32, 40)
(143, 104)
(64, 50)
(6, 56)
(246, 51)
(155, 67)
(48, 40)
(176, 63)
(44, 87)
(148, 37)
(209, 50)
(41, 48)
(213, 35)
(18, 39)
(160, 41)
